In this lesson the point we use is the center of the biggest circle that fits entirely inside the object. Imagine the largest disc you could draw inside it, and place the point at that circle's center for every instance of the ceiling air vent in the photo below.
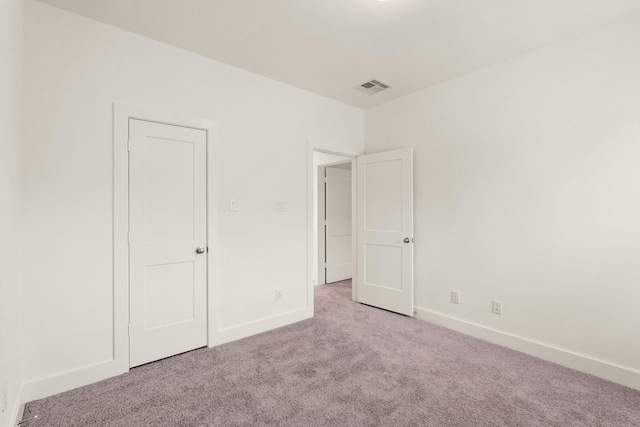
(373, 86)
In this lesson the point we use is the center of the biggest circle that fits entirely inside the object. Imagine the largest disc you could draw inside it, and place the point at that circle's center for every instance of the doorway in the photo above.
(382, 228)
(146, 144)
(320, 160)
(335, 222)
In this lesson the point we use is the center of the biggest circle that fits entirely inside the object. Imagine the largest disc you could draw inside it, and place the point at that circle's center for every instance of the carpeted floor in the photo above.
(352, 365)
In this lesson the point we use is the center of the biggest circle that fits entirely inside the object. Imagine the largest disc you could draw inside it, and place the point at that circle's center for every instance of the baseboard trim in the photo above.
(261, 325)
(599, 368)
(59, 383)
(70, 380)
(18, 408)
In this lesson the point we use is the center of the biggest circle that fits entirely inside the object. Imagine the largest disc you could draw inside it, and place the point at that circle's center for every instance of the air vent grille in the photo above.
(374, 86)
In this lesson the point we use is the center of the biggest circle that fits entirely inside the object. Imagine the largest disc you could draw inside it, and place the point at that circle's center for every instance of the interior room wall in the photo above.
(11, 302)
(527, 191)
(75, 69)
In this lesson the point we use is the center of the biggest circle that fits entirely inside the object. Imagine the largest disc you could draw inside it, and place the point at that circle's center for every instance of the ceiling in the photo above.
(330, 47)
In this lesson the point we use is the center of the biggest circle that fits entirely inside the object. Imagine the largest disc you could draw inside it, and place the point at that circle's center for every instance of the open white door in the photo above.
(168, 240)
(385, 230)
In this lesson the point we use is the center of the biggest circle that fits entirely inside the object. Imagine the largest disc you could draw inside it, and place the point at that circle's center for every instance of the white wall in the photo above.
(10, 201)
(75, 69)
(527, 190)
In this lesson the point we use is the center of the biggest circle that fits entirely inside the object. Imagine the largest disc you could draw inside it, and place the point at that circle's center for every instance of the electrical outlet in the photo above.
(455, 297)
(496, 308)
(5, 397)
(278, 294)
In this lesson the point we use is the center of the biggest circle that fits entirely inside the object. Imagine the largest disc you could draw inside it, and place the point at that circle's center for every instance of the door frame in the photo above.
(320, 231)
(314, 146)
(121, 115)
(321, 204)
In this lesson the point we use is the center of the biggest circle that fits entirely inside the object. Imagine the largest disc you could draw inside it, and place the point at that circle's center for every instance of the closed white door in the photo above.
(338, 224)
(167, 240)
(385, 230)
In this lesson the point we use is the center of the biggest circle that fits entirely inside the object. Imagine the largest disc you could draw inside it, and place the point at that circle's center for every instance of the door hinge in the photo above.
(128, 237)
(129, 142)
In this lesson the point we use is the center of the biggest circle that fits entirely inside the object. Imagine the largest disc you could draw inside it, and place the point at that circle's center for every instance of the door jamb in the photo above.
(317, 147)
(321, 230)
(121, 115)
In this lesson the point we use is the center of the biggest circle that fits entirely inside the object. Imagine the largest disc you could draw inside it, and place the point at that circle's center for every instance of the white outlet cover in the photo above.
(496, 307)
(455, 297)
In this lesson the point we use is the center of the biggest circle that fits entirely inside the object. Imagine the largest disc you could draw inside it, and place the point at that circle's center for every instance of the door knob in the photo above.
(199, 250)
(407, 240)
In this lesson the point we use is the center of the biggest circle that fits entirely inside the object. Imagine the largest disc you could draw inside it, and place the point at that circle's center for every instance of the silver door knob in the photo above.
(407, 240)
(199, 250)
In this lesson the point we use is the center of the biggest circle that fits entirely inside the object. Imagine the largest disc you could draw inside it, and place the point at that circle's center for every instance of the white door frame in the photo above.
(314, 146)
(320, 231)
(322, 277)
(121, 115)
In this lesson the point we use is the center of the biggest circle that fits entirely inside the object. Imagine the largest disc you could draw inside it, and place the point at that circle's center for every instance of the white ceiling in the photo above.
(331, 46)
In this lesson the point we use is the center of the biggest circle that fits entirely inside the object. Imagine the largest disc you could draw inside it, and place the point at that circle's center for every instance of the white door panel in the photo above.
(382, 200)
(338, 225)
(167, 220)
(385, 230)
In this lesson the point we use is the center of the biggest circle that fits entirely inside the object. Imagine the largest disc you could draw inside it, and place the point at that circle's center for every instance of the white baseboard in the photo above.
(59, 383)
(599, 368)
(69, 380)
(18, 409)
(261, 325)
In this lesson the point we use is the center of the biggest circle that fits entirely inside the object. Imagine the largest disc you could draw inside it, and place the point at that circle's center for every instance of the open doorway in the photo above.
(382, 227)
(335, 230)
(320, 160)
